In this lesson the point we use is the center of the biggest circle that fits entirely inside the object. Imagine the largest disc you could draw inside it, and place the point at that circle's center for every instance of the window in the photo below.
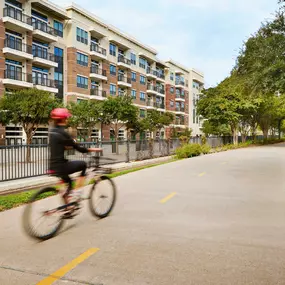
(112, 89)
(58, 77)
(194, 115)
(142, 80)
(58, 28)
(142, 113)
(40, 76)
(112, 69)
(142, 96)
(133, 59)
(13, 69)
(134, 94)
(82, 36)
(82, 59)
(13, 40)
(112, 49)
(171, 90)
(134, 76)
(171, 104)
(82, 82)
(58, 52)
(142, 62)
(171, 76)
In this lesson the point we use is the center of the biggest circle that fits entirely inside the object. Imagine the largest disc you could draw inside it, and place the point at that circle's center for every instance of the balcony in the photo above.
(44, 32)
(97, 52)
(16, 50)
(180, 122)
(159, 105)
(124, 62)
(161, 91)
(44, 58)
(152, 89)
(180, 98)
(150, 104)
(98, 73)
(179, 110)
(124, 81)
(45, 84)
(17, 79)
(15, 20)
(160, 77)
(150, 73)
(179, 84)
(98, 94)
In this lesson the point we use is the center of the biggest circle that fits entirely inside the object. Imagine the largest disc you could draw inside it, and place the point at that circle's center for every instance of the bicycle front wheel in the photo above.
(102, 197)
(40, 209)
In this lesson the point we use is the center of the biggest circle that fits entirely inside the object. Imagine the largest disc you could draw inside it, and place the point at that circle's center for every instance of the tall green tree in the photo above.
(85, 114)
(29, 108)
(118, 112)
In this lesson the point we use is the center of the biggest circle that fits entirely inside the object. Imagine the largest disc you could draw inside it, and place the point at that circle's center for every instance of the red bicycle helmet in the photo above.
(60, 113)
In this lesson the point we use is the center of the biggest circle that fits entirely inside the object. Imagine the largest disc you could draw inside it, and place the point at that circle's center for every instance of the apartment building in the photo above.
(197, 81)
(31, 54)
(75, 55)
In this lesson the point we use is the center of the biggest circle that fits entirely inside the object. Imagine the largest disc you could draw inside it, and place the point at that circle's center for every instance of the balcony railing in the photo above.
(97, 92)
(180, 109)
(179, 82)
(124, 60)
(99, 71)
(44, 82)
(161, 90)
(41, 26)
(98, 49)
(44, 54)
(17, 15)
(160, 75)
(17, 46)
(151, 87)
(180, 96)
(124, 79)
(150, 103)
(15, 75)
(151, 71)
(180, 122)
(159, 105)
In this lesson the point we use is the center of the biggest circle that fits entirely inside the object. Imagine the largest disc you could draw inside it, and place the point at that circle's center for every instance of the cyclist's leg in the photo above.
(76, 166)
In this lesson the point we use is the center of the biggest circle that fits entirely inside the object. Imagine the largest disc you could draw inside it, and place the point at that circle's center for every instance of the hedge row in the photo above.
(191, 150)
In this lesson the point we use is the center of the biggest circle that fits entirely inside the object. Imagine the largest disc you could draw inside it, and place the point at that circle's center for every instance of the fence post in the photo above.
(128, 151)
(168, 146)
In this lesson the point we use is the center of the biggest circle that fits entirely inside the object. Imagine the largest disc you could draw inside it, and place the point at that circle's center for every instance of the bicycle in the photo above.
(99, 176)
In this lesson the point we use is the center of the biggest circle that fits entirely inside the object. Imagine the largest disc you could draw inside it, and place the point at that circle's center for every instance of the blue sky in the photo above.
(203, 34)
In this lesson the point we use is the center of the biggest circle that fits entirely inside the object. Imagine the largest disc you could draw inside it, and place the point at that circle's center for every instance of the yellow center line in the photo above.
(66, 268)
(202, 174)
(164, 200)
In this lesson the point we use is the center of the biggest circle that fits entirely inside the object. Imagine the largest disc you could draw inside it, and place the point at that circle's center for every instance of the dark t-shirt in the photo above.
(59, 138)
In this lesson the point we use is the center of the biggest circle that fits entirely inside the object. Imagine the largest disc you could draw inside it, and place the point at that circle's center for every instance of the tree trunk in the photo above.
(235, 134)
(117, 138)
(265, 133)
(279, 128)
(243, 137)
(89, 132)
(29, 141)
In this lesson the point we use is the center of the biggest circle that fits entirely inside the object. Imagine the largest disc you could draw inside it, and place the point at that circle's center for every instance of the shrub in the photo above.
(204, 140)
(205, 149)
(188, 150)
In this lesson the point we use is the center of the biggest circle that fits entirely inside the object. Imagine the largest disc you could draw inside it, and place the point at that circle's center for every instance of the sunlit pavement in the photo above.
(215, 219)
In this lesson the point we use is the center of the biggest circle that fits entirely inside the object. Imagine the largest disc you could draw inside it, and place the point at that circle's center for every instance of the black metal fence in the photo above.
(22, 161)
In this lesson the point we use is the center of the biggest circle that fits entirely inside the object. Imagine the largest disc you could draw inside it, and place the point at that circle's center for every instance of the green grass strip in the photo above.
(14, 200)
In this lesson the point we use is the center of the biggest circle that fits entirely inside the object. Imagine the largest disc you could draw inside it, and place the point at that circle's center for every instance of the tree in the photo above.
(85, 114)
(156, 120)
(29, 108)
(118, 112)
(209, 128)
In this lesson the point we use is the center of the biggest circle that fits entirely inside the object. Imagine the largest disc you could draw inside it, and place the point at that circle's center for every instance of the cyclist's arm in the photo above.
(70, 142)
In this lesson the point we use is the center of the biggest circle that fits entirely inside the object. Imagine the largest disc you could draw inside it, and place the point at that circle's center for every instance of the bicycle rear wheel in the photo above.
(105, 190)
(54, 203)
